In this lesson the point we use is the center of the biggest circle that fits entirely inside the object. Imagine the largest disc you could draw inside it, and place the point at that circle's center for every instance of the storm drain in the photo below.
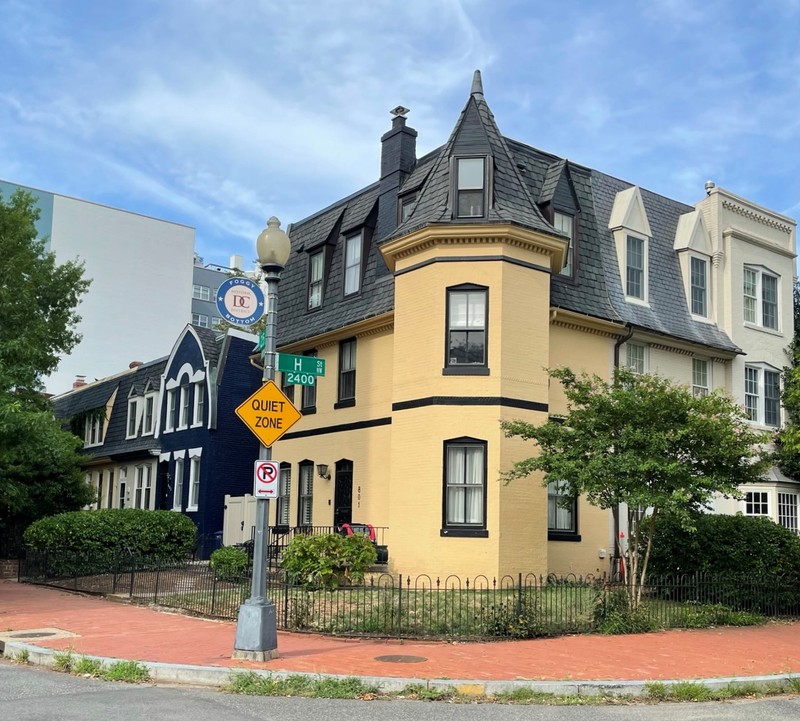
(34, 633)
(401, 659)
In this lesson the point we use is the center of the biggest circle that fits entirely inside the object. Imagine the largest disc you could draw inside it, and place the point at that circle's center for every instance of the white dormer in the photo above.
(632, 235)
(693, 245)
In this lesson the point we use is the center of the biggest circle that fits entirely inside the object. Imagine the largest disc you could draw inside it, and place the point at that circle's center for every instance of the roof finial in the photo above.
(477, 85)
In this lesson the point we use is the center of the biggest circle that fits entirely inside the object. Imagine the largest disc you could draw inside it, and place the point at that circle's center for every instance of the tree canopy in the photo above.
(39, 462)
(642, 441)
(38, 299)
(788, 440)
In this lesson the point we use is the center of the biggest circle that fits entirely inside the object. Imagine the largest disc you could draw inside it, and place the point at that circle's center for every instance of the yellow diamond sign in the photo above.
(268, 413)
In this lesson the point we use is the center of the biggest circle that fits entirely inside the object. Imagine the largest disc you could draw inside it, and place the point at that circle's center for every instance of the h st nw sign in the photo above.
(268, 413)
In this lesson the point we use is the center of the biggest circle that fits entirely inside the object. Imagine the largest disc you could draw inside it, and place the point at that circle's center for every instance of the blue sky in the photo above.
(220, 114)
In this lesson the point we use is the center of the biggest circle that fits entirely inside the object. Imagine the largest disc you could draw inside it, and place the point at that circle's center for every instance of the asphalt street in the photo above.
(34, 694)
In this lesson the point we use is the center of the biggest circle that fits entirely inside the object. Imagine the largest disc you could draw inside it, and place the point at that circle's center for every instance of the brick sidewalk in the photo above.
(119, 630)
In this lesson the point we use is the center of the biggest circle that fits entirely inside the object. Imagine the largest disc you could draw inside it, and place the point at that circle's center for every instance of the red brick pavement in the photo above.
(119, 630)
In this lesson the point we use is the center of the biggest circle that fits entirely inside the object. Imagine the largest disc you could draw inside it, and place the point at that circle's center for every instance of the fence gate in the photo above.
(239, 519)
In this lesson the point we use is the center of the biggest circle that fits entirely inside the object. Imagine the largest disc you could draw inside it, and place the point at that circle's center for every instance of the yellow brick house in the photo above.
(440, 294)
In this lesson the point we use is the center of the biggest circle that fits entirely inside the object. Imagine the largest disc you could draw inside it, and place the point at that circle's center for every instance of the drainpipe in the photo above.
(615, 510)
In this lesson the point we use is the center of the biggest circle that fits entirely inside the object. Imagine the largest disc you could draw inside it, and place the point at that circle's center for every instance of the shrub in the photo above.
(230, 563)
(613, 614)
(108, 532)
(328, 560)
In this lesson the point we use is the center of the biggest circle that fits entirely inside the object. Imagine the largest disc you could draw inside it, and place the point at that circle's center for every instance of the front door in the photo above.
(343, 494)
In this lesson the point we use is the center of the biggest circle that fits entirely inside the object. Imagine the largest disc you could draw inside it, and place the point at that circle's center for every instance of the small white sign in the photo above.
(265, 482)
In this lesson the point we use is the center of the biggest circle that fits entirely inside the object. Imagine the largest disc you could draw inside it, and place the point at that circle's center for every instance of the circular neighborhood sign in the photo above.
(240, 301)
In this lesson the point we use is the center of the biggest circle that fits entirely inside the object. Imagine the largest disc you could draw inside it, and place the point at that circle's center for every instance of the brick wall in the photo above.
(8, 568)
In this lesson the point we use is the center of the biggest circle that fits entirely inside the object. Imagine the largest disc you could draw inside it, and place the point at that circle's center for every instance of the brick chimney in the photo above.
(134, 364)
(398, 156)
(79, 382)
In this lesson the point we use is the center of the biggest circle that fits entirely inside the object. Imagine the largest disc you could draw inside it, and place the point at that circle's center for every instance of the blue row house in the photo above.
(163, 434)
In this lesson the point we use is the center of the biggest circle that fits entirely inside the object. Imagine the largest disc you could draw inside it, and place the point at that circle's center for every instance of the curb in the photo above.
(219, 677)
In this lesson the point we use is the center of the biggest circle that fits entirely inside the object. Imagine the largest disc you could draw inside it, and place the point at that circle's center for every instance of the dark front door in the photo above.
(343, 494)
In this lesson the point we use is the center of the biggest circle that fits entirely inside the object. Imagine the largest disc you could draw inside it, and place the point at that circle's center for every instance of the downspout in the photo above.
(615, 510)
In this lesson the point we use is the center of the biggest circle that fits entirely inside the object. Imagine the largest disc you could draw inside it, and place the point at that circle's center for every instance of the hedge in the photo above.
(113, 531)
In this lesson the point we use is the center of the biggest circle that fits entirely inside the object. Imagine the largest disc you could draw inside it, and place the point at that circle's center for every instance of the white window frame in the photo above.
(172, 400)
(149, 413)
(177, 483)
(757, 498)
(635, 361)
(703, 290)
(459, 489)
(132, 421)
(754, 304)
(755, 395)
(199, 403)
(93, 432)
(194, 479)
(644, 269)
(701, 377)
(787, 510)
(353, 250)
(183, 409)
(566, 224)
(316, 278)
(201, 292)
(200, 320)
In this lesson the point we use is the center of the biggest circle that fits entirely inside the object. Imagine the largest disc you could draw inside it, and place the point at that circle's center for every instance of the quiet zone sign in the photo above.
(265, 482)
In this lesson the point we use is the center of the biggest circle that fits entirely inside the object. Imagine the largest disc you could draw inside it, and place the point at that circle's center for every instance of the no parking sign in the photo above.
(265, 483)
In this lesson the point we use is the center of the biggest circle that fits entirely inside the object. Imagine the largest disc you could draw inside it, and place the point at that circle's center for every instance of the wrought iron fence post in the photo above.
(213, 591)
(287, 586)
(133, 573)
(519, 596)
(158, 576)
(399, 604)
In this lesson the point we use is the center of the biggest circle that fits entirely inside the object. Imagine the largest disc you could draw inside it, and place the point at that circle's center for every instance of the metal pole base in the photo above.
(256, 631)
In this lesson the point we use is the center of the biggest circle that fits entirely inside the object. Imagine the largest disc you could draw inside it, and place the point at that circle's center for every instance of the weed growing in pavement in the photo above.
(22, 657)
(64, 661)
(255, 685)
(129, 671)
(88, 667)
(418, 692)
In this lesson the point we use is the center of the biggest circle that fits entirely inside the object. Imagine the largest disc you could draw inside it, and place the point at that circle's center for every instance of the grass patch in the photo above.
(64, 661)
(22, 657)
(128, 671)
(253, 684)
(418, 692)
(689, 691)
(88, 667)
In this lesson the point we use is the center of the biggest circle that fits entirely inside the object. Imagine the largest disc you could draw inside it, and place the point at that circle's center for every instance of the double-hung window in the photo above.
(200, 319)
(760, 298)
(466, 329)
(308, 401)
(636, 360)
(143, 486)
(184, 420)
(635, 267)
(566, 224)
(347, 373)
(562, 516)
(199, 403)
(92, 430)
(470, 187)
(700, 381)
(201, 292)
(284, 494)
(762, 395)
(787, 511)
(194, 480)
(177, 492)
(133, 413)
(149, 413)
(305, 501)
(352, 263)
(316, 266)
(464, 487)
(698, 285)
(172, 409)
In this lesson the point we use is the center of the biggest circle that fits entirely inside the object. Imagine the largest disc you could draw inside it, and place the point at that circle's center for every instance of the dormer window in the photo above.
(133, 418)
(565, 223)
(470, 187)
(635, 267)
(698, 284)
(404, 207)
(352, 264)
(316, 265)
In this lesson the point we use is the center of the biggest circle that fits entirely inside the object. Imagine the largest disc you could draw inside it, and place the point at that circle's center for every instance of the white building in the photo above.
(141, 272)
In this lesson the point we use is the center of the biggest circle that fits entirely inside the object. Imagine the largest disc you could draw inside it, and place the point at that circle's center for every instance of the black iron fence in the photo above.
(403, 606)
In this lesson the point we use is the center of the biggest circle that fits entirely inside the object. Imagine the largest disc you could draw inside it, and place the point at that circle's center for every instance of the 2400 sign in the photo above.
(300, 379)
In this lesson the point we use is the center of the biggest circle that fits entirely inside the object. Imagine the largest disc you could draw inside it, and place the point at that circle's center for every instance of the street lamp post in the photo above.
(256, 629)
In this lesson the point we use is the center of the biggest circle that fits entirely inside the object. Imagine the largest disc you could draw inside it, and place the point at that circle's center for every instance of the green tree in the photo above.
(39, 462)
(788, 439)
(644, 442)
(38, 298)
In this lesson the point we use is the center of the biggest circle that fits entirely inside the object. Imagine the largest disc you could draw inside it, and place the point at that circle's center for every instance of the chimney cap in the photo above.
(400, 110)
(134, 364)
(709, 186)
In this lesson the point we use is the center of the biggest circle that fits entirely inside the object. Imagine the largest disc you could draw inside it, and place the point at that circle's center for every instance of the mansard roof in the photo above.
(529, 185)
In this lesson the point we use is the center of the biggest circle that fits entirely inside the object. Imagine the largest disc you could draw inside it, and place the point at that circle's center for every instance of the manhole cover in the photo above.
(34, 634)
(401, 659)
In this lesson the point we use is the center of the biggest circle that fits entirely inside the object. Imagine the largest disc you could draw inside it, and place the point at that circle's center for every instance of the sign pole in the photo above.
(256, 628)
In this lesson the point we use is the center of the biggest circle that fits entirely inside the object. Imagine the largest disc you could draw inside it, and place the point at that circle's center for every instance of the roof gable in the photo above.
(692, 233)
(628, 212)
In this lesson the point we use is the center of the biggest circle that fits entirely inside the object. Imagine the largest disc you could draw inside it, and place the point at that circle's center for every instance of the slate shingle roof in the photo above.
(524, 179)
(210, 341)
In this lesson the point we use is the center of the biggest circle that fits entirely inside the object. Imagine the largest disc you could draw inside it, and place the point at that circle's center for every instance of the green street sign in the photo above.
(301, 364)
(293, 378)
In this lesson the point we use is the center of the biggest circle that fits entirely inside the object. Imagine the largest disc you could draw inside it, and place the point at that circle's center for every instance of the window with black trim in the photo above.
(305, 500)
(470, 187)
(287, 388)
(347, 373)
(284, 495)
(466, 329)
(464, 511)
(353, 245)
(316, 269)
(404, 207)
(562, 510)
(308, 401)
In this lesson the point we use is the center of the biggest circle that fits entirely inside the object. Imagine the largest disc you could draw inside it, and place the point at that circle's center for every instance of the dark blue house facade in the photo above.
(205, 450)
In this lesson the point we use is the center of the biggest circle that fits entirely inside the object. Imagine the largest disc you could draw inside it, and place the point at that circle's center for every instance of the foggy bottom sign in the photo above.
(268, 413)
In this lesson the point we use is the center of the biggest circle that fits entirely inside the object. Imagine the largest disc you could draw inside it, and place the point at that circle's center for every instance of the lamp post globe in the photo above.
(273, 246)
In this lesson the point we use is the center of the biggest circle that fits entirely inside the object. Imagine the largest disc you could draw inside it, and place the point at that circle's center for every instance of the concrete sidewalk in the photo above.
(186, 649)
